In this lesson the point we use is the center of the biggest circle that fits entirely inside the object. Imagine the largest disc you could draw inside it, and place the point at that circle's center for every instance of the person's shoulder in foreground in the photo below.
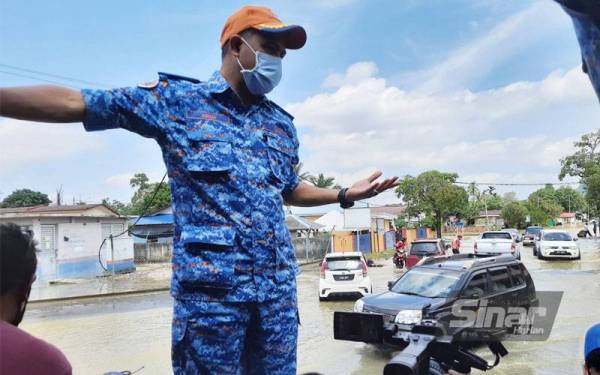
(22, 353)
(591, 351)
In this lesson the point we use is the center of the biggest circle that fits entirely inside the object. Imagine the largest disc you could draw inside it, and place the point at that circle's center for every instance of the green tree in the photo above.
(24, 198)
(142, 202)
(508, 197)
(591, 180)
(543, 205)
(303, 176)
(514, 214)
(570, 199)
(434, 194)
(493, 202)
(322, 181)
(471, 211)
(585, 164)
(586, 155)
(119, 207)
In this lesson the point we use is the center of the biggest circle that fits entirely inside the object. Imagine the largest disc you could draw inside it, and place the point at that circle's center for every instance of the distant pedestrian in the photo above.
(456, 244)
(595, 228)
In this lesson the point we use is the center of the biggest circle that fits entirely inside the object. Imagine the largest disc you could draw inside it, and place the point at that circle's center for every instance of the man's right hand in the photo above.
(42, 103)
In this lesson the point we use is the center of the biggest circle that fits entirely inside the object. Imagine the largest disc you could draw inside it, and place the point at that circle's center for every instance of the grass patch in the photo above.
(386, 254)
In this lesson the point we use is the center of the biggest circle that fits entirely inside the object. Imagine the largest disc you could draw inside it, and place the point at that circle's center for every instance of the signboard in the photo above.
(357, 218)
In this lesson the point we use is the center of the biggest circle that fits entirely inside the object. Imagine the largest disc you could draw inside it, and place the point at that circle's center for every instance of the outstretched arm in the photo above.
(306, 195)
(42, 103)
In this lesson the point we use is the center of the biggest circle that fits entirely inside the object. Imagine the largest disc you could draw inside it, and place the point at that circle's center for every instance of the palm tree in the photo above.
(473, 191)
(322, 181)
(303, 176)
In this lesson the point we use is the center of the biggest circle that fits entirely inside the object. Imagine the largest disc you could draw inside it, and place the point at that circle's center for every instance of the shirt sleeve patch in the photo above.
(148, 85)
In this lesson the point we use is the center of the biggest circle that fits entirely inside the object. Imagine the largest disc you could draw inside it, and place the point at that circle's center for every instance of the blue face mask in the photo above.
(265, 75)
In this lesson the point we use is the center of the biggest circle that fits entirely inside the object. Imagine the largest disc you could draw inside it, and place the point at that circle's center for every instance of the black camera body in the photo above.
(424, 347)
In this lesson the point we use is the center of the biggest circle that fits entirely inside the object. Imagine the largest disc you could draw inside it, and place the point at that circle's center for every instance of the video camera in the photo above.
(426, 348)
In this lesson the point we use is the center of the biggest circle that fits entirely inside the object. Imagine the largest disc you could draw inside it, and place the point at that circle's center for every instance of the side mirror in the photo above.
(472, 295)
(391, 284)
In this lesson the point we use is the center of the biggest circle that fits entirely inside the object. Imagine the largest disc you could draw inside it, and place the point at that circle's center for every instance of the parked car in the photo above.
(495, 243)
(530, 235)
(424, 248)
(430, 289)
(515, 233)
(344, 274)
(556, 244)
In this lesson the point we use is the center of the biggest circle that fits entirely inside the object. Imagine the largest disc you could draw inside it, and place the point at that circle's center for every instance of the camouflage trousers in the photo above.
(235, 337)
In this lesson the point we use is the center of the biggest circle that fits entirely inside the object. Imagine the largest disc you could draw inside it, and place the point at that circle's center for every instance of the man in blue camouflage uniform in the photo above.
(586, 19)
(230, 155)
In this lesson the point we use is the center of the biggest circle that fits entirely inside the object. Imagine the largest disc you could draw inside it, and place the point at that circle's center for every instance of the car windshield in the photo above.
(533, 230)
(557, 237)
(423, 248)
(425, 282)
(501, 235)
(344, 263)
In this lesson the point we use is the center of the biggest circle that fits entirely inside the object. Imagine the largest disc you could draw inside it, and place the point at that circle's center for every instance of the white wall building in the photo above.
(69, 238)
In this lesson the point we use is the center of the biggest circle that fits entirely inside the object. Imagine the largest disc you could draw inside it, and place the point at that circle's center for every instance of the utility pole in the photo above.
(487, 218)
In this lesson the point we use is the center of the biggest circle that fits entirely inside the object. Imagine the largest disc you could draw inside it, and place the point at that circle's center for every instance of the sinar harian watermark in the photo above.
(533, 322)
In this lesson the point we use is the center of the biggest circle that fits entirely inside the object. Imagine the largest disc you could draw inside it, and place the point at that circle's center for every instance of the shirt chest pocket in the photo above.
(210, 152)
(208, 260)
(282, 159)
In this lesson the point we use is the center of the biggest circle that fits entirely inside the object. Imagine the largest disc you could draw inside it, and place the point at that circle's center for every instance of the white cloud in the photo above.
(516, 132)
(472, 62)
(122, 180)
(356, 73)
(119, 180)
(23, 142)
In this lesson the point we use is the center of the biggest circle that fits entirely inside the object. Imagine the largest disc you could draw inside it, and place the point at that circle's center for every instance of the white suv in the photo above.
(344, 274)
(557, 244)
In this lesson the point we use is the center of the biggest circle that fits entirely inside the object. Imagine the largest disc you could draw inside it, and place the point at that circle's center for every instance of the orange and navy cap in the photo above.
(264, 20)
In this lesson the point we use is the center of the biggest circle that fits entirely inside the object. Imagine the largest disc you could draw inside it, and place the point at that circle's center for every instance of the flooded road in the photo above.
(129, 332)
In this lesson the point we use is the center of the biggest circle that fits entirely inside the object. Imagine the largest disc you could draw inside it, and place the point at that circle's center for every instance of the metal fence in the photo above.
(152, 252)
(307, 250)
(311, 249)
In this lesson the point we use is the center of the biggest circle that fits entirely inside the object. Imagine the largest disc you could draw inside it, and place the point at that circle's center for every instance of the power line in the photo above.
(515, 183)
(62, 77)
(40, 79)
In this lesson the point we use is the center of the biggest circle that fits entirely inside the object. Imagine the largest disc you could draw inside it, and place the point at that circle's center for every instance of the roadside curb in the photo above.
(100, 295)
(123, 293)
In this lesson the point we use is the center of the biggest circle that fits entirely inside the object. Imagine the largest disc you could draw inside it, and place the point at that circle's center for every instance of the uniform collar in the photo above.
(217, 84)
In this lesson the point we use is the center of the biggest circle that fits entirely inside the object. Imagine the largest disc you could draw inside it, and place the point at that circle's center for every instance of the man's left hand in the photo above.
(369, 187)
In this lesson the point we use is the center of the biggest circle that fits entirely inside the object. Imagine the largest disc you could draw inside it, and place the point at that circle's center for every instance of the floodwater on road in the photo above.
(126, 333)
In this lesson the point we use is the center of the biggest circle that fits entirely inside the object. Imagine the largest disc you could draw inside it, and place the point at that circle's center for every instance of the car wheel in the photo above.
(534, 252)
(321, 299)
(578, 256)
(539, 255)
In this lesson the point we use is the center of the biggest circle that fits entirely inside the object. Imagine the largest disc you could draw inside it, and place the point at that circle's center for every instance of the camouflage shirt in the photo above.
(228, 166)
(586, 19)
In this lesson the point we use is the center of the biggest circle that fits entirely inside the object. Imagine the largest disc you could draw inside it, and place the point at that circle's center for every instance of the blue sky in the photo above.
(488, 89)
